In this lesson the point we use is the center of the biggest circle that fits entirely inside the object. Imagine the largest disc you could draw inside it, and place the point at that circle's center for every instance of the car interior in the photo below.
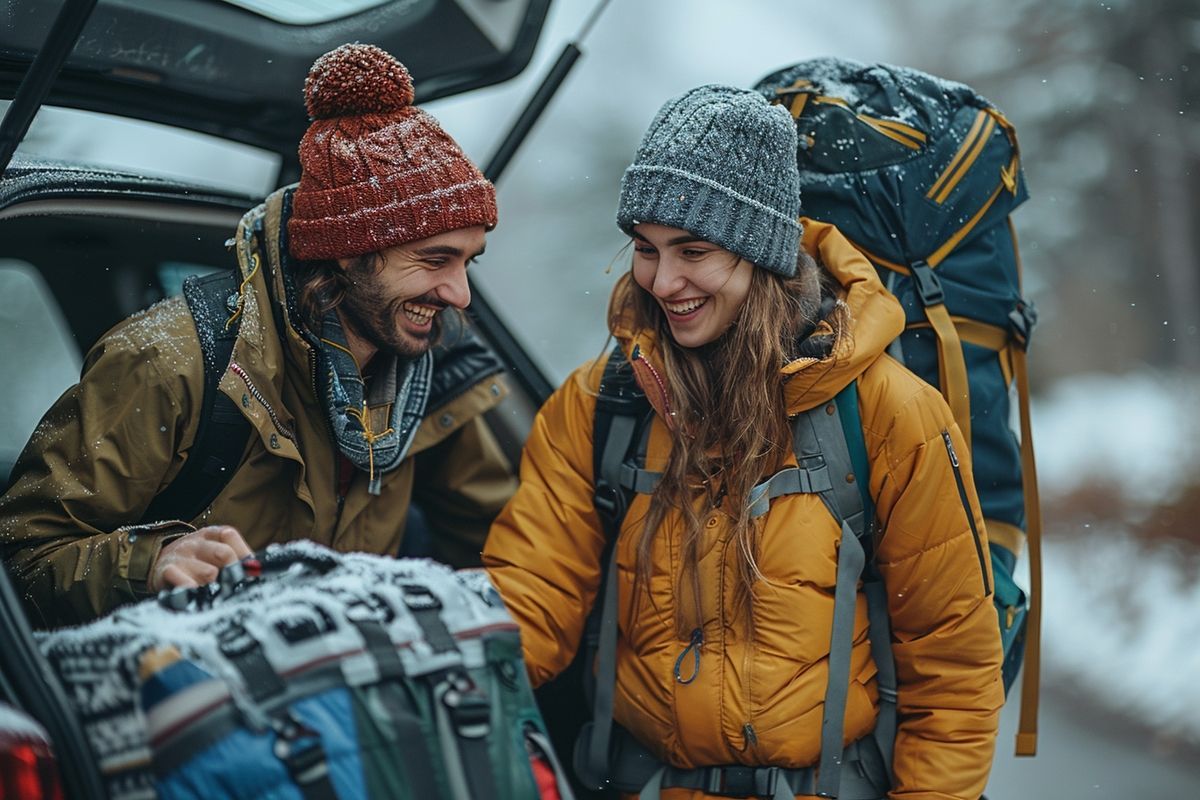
(83, 248)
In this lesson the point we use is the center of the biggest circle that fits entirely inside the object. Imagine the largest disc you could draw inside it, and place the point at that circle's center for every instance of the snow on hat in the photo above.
(720, 162)
(375, 170)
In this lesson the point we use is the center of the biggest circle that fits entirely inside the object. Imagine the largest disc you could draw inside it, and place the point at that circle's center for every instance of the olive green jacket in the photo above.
(71, 527)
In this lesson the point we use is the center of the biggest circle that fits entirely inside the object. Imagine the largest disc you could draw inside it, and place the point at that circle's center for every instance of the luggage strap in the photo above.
(822, 439)
(300, 749)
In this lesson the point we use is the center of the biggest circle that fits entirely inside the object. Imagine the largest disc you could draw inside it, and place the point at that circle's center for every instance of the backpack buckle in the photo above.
(1021, 321)
(927, 283)
(740, 781)
(609, 501)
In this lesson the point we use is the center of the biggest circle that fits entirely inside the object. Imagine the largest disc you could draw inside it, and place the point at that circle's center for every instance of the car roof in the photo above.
(235, 68)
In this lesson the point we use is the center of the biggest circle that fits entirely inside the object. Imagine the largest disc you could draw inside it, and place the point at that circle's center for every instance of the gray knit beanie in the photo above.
(720, 162)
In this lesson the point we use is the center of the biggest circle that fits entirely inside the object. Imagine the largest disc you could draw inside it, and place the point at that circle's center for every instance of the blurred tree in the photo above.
(1103, 95)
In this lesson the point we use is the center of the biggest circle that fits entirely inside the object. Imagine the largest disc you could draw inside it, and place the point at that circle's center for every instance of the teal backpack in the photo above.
(921, 174)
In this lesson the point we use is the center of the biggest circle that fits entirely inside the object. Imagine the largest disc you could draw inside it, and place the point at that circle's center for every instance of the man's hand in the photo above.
(197, 558)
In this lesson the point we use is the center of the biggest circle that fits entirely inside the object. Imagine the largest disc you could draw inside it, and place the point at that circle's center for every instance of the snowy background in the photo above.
(1103, 95)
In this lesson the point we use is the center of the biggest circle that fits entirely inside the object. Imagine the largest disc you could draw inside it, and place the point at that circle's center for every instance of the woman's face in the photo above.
(699, 286)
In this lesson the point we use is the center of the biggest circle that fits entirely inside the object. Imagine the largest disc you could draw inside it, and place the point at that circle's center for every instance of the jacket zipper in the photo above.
(749, 737)
(668, 412)
(257, 395)
(962, 495)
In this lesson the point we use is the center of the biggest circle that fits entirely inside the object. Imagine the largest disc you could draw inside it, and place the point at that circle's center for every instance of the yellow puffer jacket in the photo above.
(760, 702)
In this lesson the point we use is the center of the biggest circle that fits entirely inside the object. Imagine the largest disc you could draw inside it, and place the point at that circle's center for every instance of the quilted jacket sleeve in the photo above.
(543, 552)
(933, 558)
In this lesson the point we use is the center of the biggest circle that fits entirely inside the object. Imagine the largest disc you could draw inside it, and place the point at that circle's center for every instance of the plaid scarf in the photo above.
(402, 384)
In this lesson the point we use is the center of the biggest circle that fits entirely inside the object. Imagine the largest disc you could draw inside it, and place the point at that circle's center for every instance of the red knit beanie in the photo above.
(376, 171)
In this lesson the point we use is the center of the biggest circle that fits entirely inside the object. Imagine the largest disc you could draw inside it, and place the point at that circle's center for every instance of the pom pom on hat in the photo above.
(356, 79)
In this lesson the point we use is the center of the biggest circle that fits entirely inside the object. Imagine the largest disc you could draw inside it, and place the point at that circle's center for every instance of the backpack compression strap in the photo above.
(222, 431)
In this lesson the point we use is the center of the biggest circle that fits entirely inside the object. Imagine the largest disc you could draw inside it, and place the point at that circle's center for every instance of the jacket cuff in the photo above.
(138, 549)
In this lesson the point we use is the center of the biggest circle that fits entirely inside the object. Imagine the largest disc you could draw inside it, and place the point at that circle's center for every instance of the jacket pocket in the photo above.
(962, 496)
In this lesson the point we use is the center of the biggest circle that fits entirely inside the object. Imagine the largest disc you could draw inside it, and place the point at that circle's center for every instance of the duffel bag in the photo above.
(304, 674)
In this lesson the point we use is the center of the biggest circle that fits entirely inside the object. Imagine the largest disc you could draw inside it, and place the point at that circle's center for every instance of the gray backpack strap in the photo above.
(851, 559)
(880, 633)
(817, 437)
(878, 750)
(820, 438)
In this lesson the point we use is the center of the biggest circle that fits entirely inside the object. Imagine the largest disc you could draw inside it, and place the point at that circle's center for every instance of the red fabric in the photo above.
(345, 474)
(543, 775)
(375, 170)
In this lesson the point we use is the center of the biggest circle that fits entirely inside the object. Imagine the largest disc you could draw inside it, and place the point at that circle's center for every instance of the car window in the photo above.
(306, 12)
(37, 354)
(146, 148)
(171, 274)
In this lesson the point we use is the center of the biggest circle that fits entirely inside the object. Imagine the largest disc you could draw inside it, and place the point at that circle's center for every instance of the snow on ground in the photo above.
(1136, 429)
(1120, 616)
(1121, 624)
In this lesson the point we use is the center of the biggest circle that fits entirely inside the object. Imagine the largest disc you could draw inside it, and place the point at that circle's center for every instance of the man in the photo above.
(347, 281)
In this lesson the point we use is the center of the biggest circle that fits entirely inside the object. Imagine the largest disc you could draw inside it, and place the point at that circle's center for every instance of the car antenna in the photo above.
(541, 98)
(37, 81)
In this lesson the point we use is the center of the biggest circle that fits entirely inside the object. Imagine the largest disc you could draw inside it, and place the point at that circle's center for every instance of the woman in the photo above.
(723, 654)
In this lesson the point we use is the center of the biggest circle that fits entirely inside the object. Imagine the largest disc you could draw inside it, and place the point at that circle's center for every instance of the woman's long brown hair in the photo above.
(732, 429)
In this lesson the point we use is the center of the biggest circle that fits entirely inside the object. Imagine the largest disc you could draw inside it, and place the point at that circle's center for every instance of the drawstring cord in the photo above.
(694, 648)
(241, 300)
(364, 419)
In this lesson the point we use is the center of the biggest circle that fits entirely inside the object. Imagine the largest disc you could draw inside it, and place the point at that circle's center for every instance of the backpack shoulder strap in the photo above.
(621, 409)
(222, 431)
(617, 427)
(856, 445)
(834, 433)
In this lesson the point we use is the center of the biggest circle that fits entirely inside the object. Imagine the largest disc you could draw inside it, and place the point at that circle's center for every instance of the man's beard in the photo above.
(376, 321)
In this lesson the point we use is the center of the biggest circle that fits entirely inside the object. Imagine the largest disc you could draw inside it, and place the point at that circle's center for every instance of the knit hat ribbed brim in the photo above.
(720, 162)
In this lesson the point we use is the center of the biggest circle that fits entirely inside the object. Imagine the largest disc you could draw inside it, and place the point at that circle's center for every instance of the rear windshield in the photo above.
(145, 148)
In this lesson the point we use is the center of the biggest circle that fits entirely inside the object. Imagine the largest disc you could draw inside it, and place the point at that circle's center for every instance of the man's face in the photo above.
(392, 304)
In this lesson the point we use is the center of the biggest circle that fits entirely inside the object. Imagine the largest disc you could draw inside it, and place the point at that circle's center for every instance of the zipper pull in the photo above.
(950, 449)
(694, 648)
(750, 736)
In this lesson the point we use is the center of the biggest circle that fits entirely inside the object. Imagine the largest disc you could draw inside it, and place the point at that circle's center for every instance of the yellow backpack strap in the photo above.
(1027, 727)
(1010, 537)
(952, 367)
(981, 334)
(795, 96)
